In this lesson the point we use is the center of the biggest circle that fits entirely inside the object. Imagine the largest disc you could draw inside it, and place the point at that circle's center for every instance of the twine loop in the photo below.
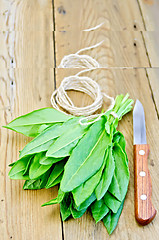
(80, 61)
(60, 98)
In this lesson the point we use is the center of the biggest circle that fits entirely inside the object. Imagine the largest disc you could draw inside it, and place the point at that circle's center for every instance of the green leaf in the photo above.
(57, 181)
(84, 191)
(30, 130)
(51, 202)
(32, 184)
(84, 156)
(119, 138)
(107, 175)
(19, 168)
(107, 127)
(49, 160)
(75, 213)
(26, 172)
(11, 164)
(86, 203)
(99, 210)
(36, 169)
(61, 195)
(120, 180)
(44, 178)
(40, 183)
(41, 148)
(43, 141)
(112, 202)
(65, 207)
(66, 142)
(65, 211)
(56, 172)
(111, 219)
(35, 122)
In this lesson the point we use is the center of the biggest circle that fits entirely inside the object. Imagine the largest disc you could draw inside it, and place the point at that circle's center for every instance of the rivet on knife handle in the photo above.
(144, 210)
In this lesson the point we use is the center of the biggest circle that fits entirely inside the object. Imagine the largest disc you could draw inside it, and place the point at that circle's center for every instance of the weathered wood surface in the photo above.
(119, 49)
(153, 76)
(149, 10)
(116, 15)
(27, 80)
(151, 39)
(25, 84)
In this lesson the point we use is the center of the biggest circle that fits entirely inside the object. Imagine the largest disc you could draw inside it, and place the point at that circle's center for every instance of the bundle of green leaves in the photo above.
(88, 162)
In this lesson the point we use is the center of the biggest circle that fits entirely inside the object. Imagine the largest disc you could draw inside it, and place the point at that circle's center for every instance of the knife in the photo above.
(144, 210)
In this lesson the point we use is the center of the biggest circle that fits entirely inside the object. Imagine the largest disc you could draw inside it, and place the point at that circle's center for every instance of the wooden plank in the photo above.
(151, 39)
(38, 15)
(21, 214)
(28, 29)
(153, 75)
(149, 10)
(22, 49)
(116, 15)
(26, 83)
(119, 49)
(112, 82)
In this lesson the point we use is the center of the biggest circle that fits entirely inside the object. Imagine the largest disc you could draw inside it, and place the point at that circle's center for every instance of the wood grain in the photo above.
(28, 29)
(151, 39)
(153, 76)
(26, 83)
(21, 214)
(149, 10)
(117, 81)
(26, 15)
(116, 15)
(119, 49)
(144, 210)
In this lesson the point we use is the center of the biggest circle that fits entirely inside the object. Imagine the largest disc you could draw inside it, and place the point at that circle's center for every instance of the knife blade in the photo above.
(144, 210)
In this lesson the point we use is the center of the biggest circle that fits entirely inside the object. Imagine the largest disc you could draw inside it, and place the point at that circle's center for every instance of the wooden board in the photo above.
(27, 80)
(119, 49)
(151, 39)
(28, 29)
(21, 214)
(25, 84)
(149, 10)
(153, 76)
(26, 15)
(79, 15)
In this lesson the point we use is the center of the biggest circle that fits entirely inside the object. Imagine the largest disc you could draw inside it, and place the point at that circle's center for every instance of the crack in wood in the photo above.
(146, 49)
(149, 82)
(152, 94)
(54, 47)
(142, 15)
(54, 43)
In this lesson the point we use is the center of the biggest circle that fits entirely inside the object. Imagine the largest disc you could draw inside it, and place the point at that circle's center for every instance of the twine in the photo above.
(80, 61)
(93, 28)
(60, 98)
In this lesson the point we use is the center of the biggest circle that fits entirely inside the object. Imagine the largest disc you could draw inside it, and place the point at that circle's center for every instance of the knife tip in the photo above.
(137, 103)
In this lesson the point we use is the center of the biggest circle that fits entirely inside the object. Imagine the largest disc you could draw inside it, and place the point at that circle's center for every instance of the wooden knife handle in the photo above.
(144, 210)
